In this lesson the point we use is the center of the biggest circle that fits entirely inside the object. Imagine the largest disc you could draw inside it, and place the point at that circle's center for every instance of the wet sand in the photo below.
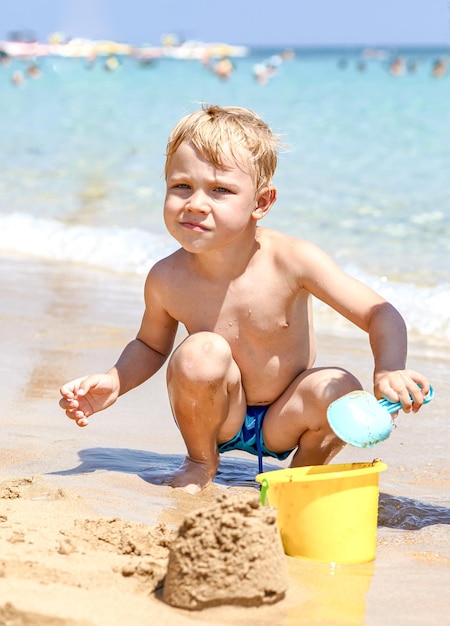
(61, 322)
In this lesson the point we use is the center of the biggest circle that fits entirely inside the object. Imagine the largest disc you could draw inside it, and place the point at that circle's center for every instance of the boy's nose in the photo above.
(198, 202)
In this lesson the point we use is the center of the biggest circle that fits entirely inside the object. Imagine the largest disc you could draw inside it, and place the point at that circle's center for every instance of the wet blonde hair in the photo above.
(214, 129)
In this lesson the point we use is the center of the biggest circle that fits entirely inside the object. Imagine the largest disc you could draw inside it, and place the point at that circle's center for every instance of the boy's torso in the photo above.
(264, 314)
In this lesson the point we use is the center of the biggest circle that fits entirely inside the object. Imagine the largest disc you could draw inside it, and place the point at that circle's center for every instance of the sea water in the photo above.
(364, 172)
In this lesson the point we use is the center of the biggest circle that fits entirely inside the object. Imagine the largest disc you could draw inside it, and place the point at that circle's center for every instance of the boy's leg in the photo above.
(208, 403)
(299, 416)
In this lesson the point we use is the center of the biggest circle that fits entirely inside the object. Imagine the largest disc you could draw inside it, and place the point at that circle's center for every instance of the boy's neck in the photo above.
(229, 262)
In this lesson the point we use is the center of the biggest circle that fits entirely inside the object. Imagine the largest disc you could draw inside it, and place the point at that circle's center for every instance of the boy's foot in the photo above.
(192, 476)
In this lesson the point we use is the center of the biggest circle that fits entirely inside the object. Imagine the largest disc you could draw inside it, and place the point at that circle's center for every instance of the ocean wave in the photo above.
(425, 308)
(116, 249)
(133, 250)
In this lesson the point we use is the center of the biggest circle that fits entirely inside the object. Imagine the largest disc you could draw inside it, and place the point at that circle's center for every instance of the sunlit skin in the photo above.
(243, 293)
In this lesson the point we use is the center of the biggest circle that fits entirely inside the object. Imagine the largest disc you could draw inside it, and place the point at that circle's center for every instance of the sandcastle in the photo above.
(229, 553)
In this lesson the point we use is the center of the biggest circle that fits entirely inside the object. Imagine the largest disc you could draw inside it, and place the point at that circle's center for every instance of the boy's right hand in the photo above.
(84, 396)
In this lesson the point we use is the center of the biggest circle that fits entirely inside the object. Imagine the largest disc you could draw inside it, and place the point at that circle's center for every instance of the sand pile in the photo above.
(145, 550)
(230, 553)
(124, 549)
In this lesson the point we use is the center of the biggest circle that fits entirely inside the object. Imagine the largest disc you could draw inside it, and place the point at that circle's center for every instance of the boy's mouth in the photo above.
(194, 226)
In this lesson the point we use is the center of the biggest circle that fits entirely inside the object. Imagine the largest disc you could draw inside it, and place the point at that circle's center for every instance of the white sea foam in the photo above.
(122, 250)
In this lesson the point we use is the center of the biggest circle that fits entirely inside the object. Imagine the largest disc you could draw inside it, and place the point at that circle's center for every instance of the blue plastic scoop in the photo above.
(363, 421)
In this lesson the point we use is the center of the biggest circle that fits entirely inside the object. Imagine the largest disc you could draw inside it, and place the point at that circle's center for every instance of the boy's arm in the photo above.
(145, 355)
(370, 312)
(388, 340)
(140, 359)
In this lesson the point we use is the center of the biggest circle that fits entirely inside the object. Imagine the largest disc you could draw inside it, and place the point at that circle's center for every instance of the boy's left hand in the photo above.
(405, 386)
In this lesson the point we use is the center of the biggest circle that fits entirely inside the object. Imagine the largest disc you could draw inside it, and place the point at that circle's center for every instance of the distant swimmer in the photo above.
(34, 71)
(5, 59)
(17, 78)
(397, 67)
(288, 54)
(439, 68)
(111, 63)
(91, 61)
(223, 68)
(263, 73)
(267, 69)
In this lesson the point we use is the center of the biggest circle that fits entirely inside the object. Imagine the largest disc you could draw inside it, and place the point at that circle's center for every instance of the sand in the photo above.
(229, 553)
(86, 515)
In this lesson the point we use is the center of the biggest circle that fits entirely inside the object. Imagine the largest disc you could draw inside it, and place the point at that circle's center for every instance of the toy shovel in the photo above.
(363, 421)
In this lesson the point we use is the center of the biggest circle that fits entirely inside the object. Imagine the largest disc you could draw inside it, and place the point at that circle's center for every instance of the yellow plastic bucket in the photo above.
(326, 513)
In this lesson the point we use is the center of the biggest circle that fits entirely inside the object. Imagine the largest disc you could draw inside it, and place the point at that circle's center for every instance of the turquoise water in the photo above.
(364, 173)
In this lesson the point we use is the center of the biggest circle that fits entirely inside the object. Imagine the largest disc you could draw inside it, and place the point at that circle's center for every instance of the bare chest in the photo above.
(245, 311)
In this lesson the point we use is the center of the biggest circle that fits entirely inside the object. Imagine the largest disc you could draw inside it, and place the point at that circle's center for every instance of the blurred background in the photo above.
(359, 93)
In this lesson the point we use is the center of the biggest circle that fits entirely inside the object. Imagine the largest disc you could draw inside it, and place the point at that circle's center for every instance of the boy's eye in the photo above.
(221, 190)
(181, 186)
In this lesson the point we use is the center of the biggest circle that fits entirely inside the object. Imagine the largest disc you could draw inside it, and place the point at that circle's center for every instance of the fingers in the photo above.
(75, 406)
(74, 412)
(82, 421)
(73, 401)
(392, 387)
(78, 417)
(417, 390)
(422, 382)
(74, 388)
(405, 386)
(406, 401)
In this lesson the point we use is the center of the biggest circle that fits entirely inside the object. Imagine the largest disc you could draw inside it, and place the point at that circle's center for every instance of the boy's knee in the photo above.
(340, 383)
(332, 383)
(201, 355)
(344, 382)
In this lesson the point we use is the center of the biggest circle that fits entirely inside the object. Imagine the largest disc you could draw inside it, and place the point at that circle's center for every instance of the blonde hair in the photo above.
(213, 129)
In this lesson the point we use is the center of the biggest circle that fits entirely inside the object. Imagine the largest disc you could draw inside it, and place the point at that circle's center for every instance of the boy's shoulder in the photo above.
(296, 257)
(283, 244)
(174, 261)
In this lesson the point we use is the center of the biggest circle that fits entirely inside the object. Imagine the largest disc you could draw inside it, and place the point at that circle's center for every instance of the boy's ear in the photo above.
(264, 202)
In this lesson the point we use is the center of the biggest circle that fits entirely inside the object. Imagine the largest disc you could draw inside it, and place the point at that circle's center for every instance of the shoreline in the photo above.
(59, 322)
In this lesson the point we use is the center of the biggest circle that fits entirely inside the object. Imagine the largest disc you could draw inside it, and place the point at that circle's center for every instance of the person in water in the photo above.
(244, 377)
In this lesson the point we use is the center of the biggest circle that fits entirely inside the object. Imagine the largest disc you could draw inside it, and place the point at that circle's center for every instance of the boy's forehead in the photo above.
(224, 157)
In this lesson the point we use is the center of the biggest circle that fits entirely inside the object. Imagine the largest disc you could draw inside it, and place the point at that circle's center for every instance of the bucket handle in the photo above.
(264, 488)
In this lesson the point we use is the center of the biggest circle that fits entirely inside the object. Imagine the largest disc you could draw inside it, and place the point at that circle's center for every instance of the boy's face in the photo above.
(207, 208)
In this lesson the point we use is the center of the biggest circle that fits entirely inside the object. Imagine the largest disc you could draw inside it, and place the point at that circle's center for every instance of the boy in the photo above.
(244, 376)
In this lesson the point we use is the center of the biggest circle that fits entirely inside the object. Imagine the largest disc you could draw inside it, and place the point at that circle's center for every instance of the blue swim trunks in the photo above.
(250, 438)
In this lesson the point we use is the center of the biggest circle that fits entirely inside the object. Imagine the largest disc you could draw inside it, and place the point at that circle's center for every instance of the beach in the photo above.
(364, 175)
(57, 480)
